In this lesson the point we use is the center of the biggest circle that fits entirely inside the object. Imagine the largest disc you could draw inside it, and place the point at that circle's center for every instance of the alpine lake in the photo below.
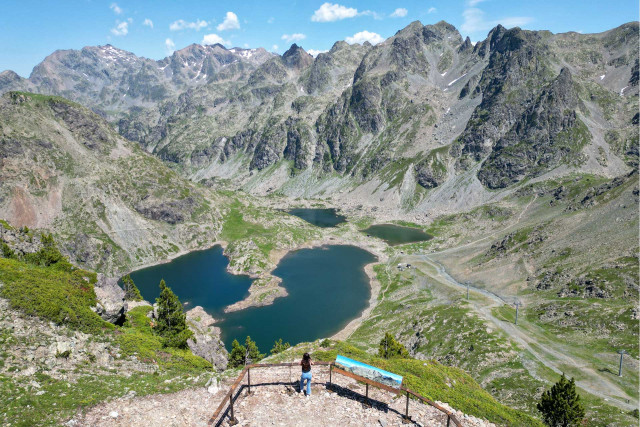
(327, 286)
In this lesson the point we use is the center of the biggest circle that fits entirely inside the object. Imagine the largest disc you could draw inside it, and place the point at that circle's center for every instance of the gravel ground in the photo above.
(273, 402)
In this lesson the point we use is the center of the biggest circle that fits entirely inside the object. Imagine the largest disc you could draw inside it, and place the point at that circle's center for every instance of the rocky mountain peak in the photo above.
(296, 57)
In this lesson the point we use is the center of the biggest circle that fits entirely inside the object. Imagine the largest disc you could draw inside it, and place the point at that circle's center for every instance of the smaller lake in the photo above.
(397, 235)
(319, 217)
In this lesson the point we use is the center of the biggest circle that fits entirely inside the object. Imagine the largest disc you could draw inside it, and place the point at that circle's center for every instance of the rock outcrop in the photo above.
(206, 341)
(112, 305)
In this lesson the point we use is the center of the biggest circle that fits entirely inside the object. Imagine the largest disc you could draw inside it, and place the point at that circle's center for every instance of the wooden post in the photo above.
(330, 388)
(406, 419)
(248, 381)
(448, 419)
(367, 403)
(232, 418)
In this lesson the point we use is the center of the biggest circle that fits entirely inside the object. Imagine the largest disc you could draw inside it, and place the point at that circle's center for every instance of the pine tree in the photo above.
(278, 347)
(390, 348)
(171, 323)
(237, 354)
(560, 406)
(244, 354)
(131, 291)
(252, 354)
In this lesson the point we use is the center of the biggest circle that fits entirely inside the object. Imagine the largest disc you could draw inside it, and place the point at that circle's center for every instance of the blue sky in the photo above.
(31, 29)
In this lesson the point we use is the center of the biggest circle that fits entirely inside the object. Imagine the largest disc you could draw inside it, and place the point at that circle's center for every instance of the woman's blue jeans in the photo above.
(306, 376)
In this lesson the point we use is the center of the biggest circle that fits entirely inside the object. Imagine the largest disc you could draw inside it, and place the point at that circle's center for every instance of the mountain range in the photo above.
(425, 120)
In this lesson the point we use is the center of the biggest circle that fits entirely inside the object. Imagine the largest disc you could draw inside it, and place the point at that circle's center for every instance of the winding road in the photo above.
(551, 354)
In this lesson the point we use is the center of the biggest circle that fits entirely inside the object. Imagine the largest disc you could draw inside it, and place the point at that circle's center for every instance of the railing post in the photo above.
(330, 388)
(249, 381)
(232, 418)
(448, 419)
(367, 402)
(406, 419)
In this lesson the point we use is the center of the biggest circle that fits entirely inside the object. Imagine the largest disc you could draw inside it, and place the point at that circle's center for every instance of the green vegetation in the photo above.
(55, 401)
(428, 378)
(246, 354)
(390, 348)
(131, 291)
(171, 323)
(561, 405)
(279, 347)
(138, 338)
(62, 296)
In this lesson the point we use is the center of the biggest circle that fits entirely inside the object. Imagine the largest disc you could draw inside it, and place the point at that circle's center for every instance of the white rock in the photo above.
(113, 414)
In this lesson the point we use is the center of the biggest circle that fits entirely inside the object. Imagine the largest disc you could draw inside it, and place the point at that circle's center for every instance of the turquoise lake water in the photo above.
(327, 288)
(397, 235)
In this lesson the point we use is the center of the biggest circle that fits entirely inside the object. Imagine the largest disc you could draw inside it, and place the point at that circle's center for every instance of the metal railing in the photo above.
(451, 418)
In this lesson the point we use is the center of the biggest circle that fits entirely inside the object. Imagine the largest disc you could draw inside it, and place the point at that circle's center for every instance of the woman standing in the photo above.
(306, 373)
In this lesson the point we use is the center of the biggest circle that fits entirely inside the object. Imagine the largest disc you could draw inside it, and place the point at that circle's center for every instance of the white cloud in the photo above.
(365, 36)
(333, 12)
(121, 29)
(472, 3)
(148, 22)
(181, 24)
(213, 39)
(432, 10)
(230, 22)
(274, 47)
(474, 21)
(377, 16)
(116, 9)
(170, 45)
(315, 52)
(296, 37)
(400, 12)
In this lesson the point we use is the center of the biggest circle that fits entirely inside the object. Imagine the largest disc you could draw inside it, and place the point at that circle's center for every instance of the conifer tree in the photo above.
(131, 291)
(560, 406)
(244, 354)
(236, 356)
(390, 348)
(171, 323)
(252, 354)
(278, 347)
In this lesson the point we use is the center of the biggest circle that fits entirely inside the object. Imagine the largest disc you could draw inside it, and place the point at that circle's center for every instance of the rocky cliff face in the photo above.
(112, 206)
(424, 106)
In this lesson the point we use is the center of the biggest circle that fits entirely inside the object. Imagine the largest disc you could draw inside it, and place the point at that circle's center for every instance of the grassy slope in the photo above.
(64, 297)
(440, 324)
(431, 379)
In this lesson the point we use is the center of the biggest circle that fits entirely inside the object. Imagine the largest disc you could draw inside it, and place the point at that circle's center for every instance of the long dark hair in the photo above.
(306, 357)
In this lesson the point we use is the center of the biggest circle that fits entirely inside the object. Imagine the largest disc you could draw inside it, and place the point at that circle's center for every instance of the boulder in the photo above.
(206, 341)
(111, 303)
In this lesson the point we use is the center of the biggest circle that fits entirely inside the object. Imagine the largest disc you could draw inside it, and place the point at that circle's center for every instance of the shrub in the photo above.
(63, 297)
(131, 291)
(278, 347)
(390, 348)
(7, 252)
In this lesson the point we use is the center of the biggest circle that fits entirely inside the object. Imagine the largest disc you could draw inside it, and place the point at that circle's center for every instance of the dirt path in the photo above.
(550, 354)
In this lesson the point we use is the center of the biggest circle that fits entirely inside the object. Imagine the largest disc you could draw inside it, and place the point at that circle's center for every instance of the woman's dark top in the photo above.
(306, 365)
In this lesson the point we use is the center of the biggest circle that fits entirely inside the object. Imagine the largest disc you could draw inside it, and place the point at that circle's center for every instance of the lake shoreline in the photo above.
(270, 285)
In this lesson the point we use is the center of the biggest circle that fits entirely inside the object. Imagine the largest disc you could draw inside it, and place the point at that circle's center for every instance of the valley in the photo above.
(421, 186)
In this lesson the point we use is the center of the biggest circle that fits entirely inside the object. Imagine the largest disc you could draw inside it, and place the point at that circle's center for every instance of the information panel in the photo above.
(369, 372)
